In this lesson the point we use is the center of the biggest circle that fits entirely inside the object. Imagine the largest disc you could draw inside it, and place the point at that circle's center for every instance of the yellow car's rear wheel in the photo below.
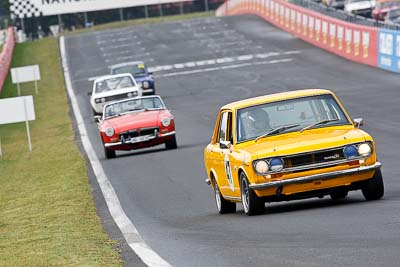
(223, 206)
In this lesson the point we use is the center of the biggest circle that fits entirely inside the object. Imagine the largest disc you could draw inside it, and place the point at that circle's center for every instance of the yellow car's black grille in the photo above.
(313, 158)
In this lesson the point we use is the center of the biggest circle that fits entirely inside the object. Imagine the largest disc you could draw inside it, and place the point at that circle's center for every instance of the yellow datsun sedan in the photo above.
(288, 146)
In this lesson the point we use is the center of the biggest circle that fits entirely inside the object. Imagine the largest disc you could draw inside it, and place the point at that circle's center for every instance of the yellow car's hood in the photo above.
(309, 140)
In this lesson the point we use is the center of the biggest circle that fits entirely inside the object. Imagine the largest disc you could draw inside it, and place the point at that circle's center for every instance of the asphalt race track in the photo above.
(199, 66)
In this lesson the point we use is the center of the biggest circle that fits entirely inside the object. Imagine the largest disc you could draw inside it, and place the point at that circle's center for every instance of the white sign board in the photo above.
(17, 109)
(25, 74)
(36, 8)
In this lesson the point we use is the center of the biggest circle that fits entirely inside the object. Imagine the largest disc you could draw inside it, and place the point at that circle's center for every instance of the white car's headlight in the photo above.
(103, 100)
(109, 132)
(364, 150)
(261, 166)
(165, 121)
(146, 85)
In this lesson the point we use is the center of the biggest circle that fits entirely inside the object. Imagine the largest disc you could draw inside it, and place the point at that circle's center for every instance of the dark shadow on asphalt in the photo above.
(157, 149)
(308, 204)
(315, 203)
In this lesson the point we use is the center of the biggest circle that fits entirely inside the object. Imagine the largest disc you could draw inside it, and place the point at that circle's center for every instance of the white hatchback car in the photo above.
(110, 88)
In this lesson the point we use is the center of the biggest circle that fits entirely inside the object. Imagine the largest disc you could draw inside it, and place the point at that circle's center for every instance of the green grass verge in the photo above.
(135, 22)
(47, 213)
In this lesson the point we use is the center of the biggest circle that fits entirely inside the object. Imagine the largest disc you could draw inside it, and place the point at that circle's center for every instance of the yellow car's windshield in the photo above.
(300, 114)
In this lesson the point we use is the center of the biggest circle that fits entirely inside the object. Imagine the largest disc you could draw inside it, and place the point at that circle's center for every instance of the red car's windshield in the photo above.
(131, 105)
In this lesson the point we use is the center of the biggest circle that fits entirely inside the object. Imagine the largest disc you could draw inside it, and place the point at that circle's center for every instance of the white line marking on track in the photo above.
(109, 47)
(200, 63)
(129, 231)
(220, 60)
(285, 60)
(245, 57)
(112, 34)
(114, 40)
(223, 44)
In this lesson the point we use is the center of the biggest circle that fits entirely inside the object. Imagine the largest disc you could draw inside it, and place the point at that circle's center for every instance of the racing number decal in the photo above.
(228, 172)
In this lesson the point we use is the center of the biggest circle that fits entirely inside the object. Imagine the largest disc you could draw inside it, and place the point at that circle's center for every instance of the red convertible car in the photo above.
(136, 123)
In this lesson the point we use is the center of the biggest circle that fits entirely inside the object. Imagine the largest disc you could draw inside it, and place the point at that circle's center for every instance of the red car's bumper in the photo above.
(152, 141)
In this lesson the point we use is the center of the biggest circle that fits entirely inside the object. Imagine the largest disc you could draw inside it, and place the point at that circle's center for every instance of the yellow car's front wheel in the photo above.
(373, 189)
(252, 204)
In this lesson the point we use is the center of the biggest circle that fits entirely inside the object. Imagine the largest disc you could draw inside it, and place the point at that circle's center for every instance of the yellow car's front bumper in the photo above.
(315, 177)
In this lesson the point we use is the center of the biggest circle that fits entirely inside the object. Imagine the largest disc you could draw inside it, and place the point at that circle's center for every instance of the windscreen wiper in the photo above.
(277, 130)
(317, 123)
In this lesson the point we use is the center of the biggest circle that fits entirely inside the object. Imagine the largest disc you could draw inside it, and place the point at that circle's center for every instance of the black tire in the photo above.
(110, 154)
(339, 194)
(223, 206)
(171, 144)
(373, 189)
(252, 204)
(95, 114)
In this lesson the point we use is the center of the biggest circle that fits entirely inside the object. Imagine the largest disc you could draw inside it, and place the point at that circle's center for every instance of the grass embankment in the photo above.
(136, 22)
(47, 214)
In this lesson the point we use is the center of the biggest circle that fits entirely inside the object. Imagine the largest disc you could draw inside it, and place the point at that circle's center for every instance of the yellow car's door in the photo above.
(222, 153)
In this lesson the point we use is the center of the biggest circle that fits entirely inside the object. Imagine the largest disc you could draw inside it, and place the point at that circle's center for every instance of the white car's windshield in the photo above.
(114, 83)
(131, 105)
(289, 115)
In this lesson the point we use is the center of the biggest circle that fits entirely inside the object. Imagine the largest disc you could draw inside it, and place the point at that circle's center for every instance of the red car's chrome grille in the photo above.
(138, 132)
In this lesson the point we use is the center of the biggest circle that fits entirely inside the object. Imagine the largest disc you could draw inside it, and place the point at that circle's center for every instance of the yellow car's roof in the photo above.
(275, 97)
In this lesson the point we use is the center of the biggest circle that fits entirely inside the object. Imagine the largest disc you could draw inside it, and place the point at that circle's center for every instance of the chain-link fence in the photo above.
(340, 14)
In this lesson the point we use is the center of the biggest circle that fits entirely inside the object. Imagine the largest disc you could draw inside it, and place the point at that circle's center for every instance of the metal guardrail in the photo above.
(339, 14)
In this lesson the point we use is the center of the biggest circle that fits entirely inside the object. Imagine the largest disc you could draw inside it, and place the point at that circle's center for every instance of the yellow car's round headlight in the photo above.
(364, 150)
(261, 166)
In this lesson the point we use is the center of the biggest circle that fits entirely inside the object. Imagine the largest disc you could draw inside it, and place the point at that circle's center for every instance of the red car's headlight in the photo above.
(166, 121)
(109, 132)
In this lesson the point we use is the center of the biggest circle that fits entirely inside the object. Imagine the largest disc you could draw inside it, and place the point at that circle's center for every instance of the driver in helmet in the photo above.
(258, 122)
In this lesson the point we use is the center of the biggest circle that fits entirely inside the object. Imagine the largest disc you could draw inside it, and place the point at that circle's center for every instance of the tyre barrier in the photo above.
(6, 56)
(363, 44)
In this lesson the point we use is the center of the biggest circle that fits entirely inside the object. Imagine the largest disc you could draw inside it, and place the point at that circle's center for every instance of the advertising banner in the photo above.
(36, 8)
(389, 50)
(355, 42)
